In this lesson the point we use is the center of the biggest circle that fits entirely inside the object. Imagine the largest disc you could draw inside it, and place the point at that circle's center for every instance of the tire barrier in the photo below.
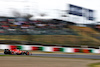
(50, 48)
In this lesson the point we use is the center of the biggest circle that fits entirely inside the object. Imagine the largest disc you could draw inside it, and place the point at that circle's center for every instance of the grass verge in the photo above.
(95, 65)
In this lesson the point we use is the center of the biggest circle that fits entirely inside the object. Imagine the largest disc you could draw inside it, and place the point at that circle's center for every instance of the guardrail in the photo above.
(50, 48)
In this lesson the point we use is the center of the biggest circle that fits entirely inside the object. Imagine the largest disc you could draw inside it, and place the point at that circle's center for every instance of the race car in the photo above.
(16, 51)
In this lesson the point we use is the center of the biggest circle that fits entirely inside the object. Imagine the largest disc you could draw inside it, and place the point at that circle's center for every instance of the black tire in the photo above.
(27, 53)
(7, 51)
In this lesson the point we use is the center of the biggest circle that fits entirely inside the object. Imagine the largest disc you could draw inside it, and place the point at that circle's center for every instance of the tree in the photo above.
(42, 14)
(16, 13)
(19, 14)
(27, 16)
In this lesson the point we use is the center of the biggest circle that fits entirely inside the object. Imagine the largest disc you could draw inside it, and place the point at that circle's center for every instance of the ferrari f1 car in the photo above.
(16, 52)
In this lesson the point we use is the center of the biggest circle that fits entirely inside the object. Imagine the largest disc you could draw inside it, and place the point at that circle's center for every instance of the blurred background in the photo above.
(67, 23)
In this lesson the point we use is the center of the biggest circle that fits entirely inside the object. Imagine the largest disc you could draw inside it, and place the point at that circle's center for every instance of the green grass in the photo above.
(52, 39)
(94, 65)
(84, 38)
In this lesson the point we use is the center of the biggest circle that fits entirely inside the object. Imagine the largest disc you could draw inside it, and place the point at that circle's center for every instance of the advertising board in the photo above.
(75, 10)
(80, 15)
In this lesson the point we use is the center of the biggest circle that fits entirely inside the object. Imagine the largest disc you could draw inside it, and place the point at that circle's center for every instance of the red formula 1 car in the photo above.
(16, 51)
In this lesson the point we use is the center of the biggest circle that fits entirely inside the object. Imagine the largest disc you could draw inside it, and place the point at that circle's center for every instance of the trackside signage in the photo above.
(80, 13)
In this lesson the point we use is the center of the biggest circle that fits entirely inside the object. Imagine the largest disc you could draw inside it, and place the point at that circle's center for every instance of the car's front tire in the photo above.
(27, 53)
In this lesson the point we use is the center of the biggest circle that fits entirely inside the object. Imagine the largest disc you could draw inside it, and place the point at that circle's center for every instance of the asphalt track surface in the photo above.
(66, 56)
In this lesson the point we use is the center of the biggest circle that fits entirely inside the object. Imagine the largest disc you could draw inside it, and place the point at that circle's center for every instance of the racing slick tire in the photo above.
(7, 51)
(27, 53)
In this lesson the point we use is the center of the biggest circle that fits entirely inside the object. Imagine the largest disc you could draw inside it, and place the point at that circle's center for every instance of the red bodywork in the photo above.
(16, 51)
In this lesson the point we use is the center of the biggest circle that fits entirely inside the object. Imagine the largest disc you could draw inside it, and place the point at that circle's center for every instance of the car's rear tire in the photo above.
(7, 51)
